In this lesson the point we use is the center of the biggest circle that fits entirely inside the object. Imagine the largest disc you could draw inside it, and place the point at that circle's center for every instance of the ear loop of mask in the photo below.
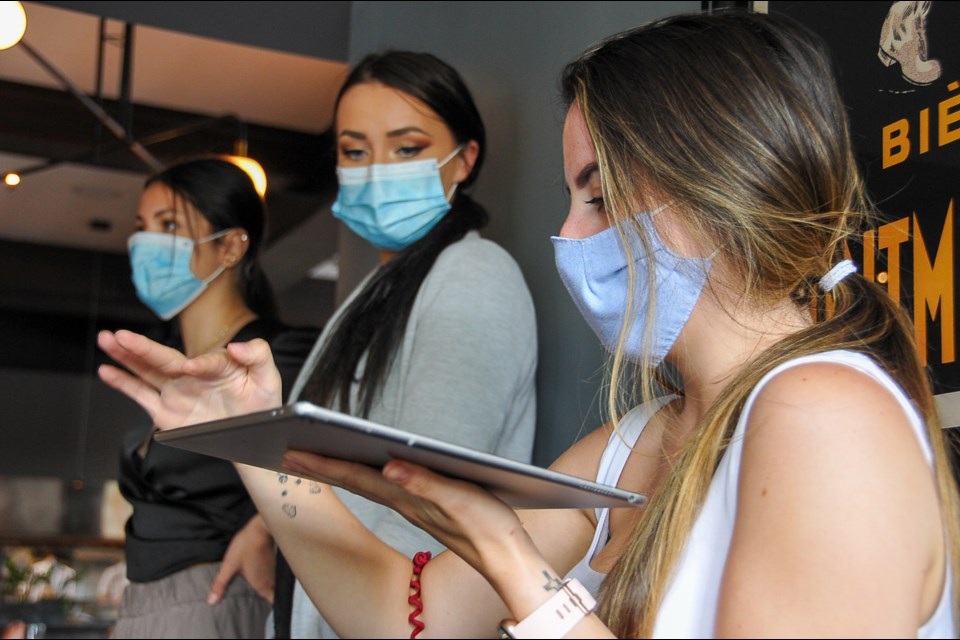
(453, 188)
(213, 236)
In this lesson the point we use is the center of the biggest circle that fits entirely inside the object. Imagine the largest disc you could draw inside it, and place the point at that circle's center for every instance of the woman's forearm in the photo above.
(339, 562)
(344, 567)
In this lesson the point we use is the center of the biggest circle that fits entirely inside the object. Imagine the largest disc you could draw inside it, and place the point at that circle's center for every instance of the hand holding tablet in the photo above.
(260, 439)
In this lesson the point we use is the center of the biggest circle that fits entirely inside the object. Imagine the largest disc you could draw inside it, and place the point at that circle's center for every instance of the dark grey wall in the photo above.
(511, 54)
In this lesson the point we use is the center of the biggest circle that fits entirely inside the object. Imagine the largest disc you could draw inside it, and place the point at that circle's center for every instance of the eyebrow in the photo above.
(352, 134)
(405, 130)
(396, 133)
(155, 214)
(585, 174)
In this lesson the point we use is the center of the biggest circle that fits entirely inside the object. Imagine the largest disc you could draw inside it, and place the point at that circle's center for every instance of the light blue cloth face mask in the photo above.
(392, 205)
(594, 270)
(161, 270)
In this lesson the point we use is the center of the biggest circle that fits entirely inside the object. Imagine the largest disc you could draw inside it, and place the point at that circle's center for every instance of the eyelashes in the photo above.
(404, 152)
(409, 152)
(595, 202)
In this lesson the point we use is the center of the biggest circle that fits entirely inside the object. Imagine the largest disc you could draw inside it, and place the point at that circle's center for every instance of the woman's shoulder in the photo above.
(479, 275)
(840, 376)
(476, 254)
(824, 381)
(283, 338)
(297, 340)
(477, 268)
(839, 398)
(831, 455)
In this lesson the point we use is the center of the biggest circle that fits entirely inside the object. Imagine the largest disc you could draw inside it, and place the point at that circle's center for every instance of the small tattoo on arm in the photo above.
(552, 584)
(286, 507)
(286, 487)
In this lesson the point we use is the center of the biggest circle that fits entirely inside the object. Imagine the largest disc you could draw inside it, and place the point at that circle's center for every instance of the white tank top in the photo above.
(689, 606)
(611, 466)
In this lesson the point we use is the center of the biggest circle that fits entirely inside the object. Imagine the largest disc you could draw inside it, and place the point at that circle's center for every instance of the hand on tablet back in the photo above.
(472, 522)
(177, 391)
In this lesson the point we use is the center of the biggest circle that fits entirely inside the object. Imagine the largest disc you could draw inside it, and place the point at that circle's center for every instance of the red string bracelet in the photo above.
(420, 560)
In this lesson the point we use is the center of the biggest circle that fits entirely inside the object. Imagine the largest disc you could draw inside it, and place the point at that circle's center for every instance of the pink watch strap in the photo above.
(555, 617)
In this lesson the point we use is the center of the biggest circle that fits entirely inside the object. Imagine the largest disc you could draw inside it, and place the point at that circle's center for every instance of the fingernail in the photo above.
(212, 599)
(396, 472)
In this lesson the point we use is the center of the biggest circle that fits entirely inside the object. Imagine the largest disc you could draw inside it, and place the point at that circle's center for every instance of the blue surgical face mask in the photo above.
(594, 270)
(393, 205)
(161, 271)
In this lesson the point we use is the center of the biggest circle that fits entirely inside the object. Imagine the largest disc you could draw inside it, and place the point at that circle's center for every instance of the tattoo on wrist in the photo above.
(552, 584)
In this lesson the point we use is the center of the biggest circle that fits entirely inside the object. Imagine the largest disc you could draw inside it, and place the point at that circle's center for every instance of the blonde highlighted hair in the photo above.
(735, 118)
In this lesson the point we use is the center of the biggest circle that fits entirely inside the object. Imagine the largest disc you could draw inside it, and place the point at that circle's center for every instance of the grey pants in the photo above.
(176, 607)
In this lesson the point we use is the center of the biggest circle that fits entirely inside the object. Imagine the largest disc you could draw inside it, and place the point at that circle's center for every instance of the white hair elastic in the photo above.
(839, 271)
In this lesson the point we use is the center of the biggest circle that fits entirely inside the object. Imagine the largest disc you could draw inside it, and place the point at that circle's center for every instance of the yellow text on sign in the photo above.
(900, 140)
(933, 278)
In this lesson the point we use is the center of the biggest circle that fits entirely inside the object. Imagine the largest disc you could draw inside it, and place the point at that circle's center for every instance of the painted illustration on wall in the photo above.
(898, 64)
(903, 41)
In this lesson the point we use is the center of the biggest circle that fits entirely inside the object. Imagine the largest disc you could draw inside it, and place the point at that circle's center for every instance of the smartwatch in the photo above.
(555, 617)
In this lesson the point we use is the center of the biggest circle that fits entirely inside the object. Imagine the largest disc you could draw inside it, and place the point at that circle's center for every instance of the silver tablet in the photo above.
(260, 439)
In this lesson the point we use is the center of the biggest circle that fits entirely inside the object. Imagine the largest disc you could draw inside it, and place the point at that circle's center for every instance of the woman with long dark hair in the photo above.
(194, 530)
(440, 338)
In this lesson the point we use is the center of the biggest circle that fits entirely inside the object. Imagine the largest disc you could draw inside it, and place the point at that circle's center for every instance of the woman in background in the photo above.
(440, 338)
(199, 559)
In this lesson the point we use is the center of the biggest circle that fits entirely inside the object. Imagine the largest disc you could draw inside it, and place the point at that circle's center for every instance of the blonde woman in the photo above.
(798, 480)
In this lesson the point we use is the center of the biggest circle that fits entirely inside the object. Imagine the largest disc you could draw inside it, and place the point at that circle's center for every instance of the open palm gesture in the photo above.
(177, 391)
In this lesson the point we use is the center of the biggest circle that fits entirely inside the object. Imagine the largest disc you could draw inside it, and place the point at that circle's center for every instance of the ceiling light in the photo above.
(12, 179)
(13, 23)
(254, 170)
(242, 159)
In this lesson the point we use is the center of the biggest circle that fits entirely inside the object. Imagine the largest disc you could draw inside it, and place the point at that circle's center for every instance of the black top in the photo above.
(187, 507)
